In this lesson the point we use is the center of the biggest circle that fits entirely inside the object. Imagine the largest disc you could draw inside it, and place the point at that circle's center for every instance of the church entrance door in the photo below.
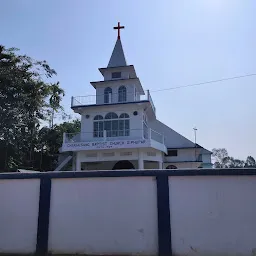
(124, 164)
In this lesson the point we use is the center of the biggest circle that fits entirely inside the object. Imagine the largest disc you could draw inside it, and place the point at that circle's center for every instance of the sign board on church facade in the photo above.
(140, 143)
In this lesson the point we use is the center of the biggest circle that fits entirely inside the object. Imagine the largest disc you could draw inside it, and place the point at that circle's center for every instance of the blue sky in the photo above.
(171, 43)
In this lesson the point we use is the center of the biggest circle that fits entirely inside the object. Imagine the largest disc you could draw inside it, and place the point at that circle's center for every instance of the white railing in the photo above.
(110, 99)
(113, 135)
(154, 135)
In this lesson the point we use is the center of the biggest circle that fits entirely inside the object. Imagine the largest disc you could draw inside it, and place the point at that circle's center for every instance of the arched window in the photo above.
(98, 126)
(108, 95)
(124, 125)
(115, 126)
(171, 167)
(111, 124)
(111, 115)
(122, 94)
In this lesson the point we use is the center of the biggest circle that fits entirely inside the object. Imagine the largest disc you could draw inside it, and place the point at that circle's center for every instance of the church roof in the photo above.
(117, 58)
(174, 140)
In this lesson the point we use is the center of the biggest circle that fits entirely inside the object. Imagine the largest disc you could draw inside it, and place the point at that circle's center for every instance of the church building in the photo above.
(120, 130)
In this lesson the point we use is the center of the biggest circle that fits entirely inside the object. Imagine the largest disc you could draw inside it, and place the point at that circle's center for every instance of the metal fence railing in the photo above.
(110, 98)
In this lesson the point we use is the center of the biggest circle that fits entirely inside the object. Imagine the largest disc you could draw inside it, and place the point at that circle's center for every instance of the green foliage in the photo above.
(26, 99)
(223, 160)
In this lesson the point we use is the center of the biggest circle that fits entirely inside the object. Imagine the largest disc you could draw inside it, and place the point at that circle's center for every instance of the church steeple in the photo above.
(117, 58)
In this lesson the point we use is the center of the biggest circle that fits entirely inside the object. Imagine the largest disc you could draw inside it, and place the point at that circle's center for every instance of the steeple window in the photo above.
(108, 95)
(122, 94)
(116, 75)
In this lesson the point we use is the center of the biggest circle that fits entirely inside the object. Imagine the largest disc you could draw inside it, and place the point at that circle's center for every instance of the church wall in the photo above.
(124, 74)
(19, 200)
(100, 92)
(112, 216)
(115, 155)
(183, 155)
(206, 158)
(135, 121)
(107, 165)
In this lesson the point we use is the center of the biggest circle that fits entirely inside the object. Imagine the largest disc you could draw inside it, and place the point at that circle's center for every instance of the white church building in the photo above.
(120, 130)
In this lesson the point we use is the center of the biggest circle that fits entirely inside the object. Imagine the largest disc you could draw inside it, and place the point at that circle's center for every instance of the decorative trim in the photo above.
(91, 155)
(43, 216)
(173, 162)
(125, 153)
(148, 173)
(109, 154)
(151, 153)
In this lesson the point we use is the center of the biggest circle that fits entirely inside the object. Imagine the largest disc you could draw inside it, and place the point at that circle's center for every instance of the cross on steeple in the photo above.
(118, 28)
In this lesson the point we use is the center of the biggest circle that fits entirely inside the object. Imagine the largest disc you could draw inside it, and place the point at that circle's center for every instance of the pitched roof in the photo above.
(117, 58)
(173, 139)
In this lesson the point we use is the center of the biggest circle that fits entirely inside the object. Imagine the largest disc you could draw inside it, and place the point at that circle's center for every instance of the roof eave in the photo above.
(102, 70)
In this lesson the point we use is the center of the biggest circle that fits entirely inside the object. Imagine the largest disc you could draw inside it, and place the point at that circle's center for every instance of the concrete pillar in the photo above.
(140, 159)
(160, 165)
(78, 163)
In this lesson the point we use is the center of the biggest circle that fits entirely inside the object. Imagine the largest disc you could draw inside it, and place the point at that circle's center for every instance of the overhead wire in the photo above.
(206, 82)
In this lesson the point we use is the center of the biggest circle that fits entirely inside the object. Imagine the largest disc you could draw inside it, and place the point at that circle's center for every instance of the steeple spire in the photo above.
(117, 58)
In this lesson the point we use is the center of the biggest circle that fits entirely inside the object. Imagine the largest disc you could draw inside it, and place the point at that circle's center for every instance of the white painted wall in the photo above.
(183, 155)
(19, 202)
(213, 215)
(114, 99)
(124, 73)
(135, 121)
(206, 158)
(104, 216)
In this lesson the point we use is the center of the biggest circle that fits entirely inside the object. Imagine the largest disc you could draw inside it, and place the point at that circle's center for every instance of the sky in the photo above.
(171, 43)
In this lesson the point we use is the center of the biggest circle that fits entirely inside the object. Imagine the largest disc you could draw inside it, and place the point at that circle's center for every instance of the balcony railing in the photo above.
(111, 98)
(113, 135)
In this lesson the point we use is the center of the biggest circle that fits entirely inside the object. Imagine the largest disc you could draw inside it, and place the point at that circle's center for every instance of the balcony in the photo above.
(111, 98)
(114, 139)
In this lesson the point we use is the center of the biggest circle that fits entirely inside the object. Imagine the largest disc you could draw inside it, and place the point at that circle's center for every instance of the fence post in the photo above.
(164, 222)
(43, 216)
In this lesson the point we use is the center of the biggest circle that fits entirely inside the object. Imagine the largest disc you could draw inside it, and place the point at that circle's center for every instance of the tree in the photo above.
(223, 160)
(25, 100)
(250, 162)
(220, 156)
(50, 141)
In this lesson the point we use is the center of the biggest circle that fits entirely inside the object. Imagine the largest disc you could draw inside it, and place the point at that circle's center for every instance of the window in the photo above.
(172, 153)
(113, 125)
(116, 75)
(171, 167)
(124, 125)
(108, 95)
(98, 126)
(122, 94)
